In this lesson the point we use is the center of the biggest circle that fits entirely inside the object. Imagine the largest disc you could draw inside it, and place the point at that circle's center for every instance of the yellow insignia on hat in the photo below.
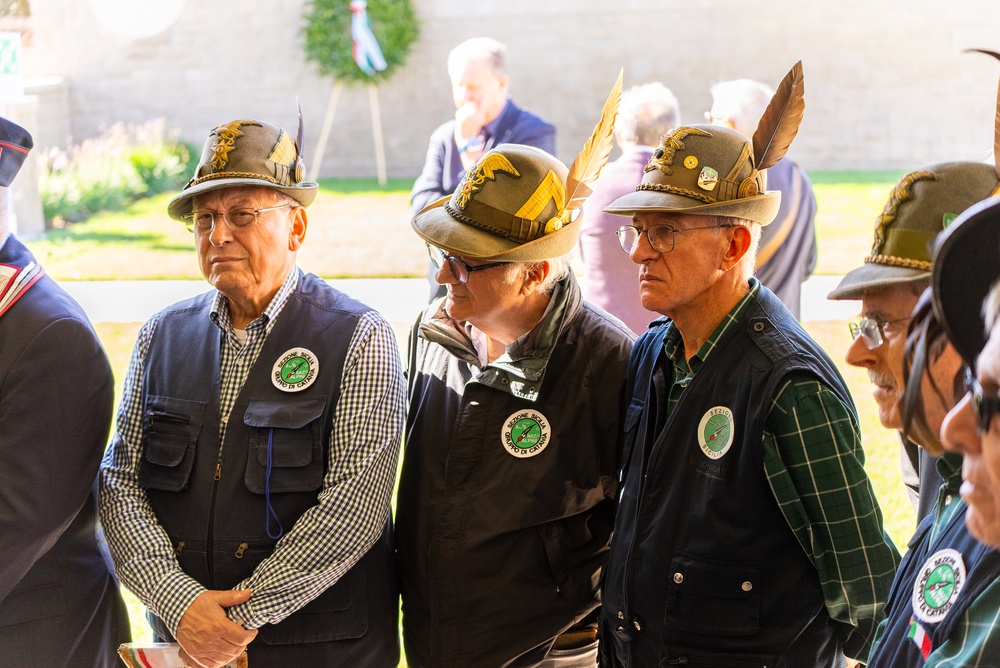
(284, 150)
(487, 168)
(672, 142)
(225, 141)
(901, 192)
(551, 188)
(691, 162)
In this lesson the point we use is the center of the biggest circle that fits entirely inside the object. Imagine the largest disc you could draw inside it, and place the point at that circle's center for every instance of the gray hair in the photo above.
(747, 263)
(741, 101)
(646, 113)
(485, 49)
(559, 268)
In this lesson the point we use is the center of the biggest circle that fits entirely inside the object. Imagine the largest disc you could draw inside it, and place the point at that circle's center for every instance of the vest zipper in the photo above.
(211, 522)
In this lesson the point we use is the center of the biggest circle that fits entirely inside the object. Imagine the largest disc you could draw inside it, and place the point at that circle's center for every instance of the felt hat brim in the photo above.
(966, 264)
(873, 275)
(437, 227)
(760, 209)
(304, 193)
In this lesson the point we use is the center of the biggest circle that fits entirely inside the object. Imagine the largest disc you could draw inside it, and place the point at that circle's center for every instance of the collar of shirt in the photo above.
(673, 346)
(491, 127)
(264, 322)
(519, 371)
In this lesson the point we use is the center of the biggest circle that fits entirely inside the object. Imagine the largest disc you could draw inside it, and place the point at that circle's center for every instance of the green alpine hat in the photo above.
(247, 153)
(706, 170)
(510, 207)
(920, 206)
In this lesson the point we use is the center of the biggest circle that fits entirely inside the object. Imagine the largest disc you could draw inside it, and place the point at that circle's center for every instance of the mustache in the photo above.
(881, 378)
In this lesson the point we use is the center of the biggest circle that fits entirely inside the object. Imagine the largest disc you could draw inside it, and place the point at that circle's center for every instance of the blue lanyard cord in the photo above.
(269, 511)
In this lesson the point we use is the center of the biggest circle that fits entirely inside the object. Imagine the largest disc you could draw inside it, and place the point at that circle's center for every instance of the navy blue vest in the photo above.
(703, 565)
(930, 572)
(210, 497)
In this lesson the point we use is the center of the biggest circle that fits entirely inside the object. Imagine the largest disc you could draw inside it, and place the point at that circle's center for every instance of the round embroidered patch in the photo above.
(295, 370)
(525, 433)
(715, 432)
(938, 584)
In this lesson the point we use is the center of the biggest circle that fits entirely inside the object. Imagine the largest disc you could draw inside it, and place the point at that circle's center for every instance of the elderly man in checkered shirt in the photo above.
(246, 492)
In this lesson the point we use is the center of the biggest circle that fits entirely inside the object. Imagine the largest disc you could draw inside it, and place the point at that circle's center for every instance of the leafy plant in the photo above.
(110, 171)
(328, 37)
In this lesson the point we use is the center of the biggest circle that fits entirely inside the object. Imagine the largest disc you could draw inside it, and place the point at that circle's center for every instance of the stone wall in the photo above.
(886, 83)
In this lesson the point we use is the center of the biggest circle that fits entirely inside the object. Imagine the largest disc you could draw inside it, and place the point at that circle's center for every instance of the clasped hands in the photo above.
(208, 638)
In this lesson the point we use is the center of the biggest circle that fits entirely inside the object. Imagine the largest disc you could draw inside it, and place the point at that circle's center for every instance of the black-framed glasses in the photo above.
(871, 330)
(984, 405)
(458, 267)
(660, 237)
(203, 222)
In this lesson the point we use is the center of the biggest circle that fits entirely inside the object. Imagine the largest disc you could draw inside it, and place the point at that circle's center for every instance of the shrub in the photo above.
(112, 170)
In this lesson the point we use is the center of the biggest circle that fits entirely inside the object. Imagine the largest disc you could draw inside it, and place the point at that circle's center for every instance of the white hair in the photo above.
(741, 101)
(559, 268)
(646, 113)
(991, 307)
(485, 49)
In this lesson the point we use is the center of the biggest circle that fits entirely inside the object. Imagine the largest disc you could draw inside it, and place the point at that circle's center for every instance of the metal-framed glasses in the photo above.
(984, 405)
(660, 237)
(871, 330)
(203, 222)
(458, 267)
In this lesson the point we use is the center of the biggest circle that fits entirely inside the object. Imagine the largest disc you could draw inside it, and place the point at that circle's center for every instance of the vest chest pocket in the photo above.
(287, 438)
(715, 598)
(169, 434)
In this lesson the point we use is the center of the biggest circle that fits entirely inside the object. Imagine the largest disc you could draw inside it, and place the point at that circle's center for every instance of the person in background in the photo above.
(787, 253)
(608, 278)
(485, 117)
(897, 270)
(748, 532)
(59, 603)
(246, 491)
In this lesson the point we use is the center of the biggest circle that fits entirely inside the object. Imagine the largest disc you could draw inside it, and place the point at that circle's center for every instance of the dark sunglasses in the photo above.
(983, 405)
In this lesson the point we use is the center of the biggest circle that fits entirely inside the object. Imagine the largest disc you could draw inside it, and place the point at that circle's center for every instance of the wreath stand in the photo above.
(324, 135)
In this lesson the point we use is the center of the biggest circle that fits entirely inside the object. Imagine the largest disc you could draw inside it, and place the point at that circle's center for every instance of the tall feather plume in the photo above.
(298, 134)
(588, 163)
(780, 122)
(996, 118)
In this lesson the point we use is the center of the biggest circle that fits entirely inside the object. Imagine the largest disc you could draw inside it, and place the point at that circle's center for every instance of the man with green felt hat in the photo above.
(747, 530)
(889, 283)
(246, 491)
(516, 387)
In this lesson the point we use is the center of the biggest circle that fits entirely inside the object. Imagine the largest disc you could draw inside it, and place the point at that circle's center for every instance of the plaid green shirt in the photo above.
(814, 464)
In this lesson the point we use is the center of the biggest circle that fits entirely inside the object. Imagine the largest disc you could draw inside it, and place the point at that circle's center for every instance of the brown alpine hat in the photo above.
(920, 206)
(716, 171)
(247, 153)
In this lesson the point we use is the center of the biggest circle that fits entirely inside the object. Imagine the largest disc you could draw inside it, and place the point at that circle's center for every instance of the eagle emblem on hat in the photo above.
(474, 179)
(225, 141)
(663, 158)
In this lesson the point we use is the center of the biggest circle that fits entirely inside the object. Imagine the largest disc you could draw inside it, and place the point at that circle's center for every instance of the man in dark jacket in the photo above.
(59, 604)
(515, 387)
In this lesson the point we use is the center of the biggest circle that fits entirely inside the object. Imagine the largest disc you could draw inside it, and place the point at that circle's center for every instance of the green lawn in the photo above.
(358, 229)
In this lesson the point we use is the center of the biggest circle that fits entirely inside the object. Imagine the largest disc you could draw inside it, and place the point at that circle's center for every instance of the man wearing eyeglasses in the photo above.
(246, 491)
(516, 388)
(945, 600)
(747, 531)
(889, 284)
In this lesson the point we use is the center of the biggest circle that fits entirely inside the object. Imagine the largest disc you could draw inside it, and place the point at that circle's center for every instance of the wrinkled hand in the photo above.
(207, 637)
(469, 120)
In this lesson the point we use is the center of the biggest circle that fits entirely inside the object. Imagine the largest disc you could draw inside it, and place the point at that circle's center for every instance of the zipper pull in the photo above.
(239, 552)
(179, 549)
(218, 471)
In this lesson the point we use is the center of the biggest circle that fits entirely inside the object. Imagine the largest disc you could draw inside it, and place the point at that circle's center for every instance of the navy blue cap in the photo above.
(15, 142)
